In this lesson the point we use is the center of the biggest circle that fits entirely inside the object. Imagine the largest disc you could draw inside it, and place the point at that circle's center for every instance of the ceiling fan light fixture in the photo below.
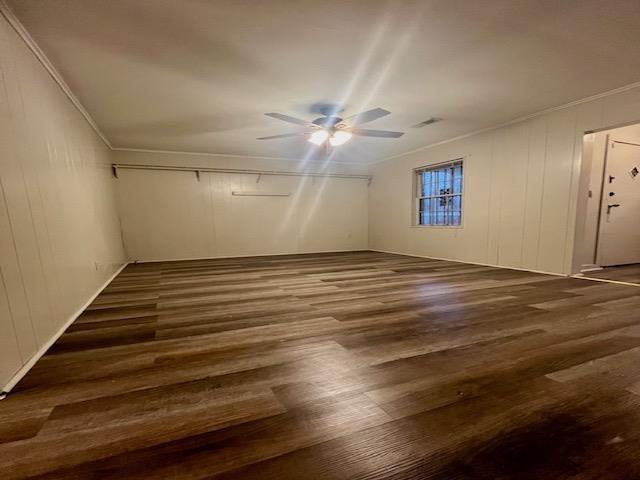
(333, 129)
(318, 137)
(340, 138)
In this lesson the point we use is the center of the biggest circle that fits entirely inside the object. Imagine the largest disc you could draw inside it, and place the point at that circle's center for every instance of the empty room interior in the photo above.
(349, 239)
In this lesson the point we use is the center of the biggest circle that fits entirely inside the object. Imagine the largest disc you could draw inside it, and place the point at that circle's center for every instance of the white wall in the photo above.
(521, 184)
(169, 215)
(59, 235)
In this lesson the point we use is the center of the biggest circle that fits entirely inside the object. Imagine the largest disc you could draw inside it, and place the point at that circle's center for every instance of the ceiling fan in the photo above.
(337, 131)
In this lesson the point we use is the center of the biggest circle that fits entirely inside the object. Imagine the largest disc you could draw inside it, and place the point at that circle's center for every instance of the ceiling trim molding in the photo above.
(22, 32)
(233, 155)
(524, 118)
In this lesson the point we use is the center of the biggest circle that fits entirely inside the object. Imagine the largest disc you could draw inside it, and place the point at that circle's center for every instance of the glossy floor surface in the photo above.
(335, 366)
(623, 273)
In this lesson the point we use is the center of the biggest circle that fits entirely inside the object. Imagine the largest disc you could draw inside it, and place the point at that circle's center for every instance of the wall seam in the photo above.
(526, 196)
(542, 189)
(17, 259)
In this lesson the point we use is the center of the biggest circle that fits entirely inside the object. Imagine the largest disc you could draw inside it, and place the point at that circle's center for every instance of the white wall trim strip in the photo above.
(175, 168)
(227, 257)
(604, 280)
(238, 193)
(32, 361)
(230, 155)
(471, 263)
(8, 14)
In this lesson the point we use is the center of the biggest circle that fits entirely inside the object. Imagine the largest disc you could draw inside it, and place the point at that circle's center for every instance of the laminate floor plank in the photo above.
(339, 366)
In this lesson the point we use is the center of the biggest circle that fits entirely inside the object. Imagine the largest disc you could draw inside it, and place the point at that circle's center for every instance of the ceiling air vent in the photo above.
(428, 121)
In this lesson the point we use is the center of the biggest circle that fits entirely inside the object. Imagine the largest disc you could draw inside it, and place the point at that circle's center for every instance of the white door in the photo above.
(619, 238)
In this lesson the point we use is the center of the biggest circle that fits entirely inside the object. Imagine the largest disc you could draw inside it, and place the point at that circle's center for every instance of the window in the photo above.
(439, 194)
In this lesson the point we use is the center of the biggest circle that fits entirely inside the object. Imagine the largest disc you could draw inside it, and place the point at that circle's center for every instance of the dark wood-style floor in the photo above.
(623, 273)
(335, 366)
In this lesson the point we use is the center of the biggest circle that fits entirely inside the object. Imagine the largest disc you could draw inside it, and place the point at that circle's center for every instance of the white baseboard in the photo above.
(222, 257)
(471, 263)
(591, 267)
(32, 361)
(604, 280)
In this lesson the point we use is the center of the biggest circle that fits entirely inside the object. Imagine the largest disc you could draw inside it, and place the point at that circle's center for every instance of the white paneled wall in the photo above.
(59, 234)
(521, 185)
(168, 215)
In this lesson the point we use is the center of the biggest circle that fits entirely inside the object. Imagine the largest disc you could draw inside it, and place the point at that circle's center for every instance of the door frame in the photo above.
(582, 195)
(596, 252)
(610, 141)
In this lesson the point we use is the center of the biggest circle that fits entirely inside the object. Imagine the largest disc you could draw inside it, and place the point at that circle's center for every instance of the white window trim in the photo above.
(414, 190)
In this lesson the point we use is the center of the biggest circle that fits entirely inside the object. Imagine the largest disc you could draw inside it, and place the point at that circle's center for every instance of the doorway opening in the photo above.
(608, 214)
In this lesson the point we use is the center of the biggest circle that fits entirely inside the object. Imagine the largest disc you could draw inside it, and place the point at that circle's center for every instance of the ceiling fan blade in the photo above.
(375, 133)
(364, 117)
(284, 135)
(289, 119)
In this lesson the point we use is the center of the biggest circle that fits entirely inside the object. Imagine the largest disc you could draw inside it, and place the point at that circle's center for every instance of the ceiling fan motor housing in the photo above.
(327, 122)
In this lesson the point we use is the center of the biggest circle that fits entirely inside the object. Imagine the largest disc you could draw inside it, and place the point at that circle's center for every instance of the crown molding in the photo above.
(22, 32)
(540, 113)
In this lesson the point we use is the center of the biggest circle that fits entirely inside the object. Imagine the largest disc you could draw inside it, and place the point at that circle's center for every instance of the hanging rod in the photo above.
(197, 170)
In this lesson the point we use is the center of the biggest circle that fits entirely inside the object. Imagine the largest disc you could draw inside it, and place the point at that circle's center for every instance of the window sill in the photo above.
(437, 226)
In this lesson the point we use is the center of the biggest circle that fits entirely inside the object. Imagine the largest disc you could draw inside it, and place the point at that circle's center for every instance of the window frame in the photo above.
(415, 203)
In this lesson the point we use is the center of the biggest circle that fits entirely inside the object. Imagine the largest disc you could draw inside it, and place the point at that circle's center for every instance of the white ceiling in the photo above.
(197, 76)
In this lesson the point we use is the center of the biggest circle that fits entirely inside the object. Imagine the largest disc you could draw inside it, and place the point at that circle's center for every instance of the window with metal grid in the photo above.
(439, 194)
